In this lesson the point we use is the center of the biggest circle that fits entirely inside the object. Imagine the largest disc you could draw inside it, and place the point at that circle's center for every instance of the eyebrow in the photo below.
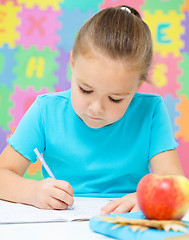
(86, 85)
(120, 94)
(81, 82)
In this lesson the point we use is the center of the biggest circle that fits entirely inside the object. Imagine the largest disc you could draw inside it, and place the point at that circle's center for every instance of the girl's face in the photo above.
(101, 89)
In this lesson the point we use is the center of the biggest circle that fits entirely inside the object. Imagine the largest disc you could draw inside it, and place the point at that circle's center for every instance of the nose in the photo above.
(96, 106)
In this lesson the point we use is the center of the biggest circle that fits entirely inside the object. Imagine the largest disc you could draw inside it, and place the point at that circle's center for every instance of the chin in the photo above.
(94, 125)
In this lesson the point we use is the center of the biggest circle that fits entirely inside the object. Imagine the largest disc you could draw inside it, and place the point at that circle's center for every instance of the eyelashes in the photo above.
(85, 91)
(115, 100)
(110, 98)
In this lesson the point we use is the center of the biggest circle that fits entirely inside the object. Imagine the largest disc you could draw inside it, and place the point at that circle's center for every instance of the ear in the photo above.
(140, 84)
(71, 60)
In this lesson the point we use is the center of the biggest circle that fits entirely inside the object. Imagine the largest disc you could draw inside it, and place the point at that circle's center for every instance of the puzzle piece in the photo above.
(185, 7)
(184, 65)
(171, 104)
(34, 168)
(12, 130)
(33, 172)
(15, 2)
(36, 68)
(3, 137)
(71, 23)
(183, 119)
(7, 63)
(43, 4)
(166, 30)
(61, 73)
(8, 24)
(164, 74)
(113, 3)
(185, 36)
(22, 99)
(69, 73)
(5, 104)
(183, 152)
(83, 6)
(39, 28)
(166, 6)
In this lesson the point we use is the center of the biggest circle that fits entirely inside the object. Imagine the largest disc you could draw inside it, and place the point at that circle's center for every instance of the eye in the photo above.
(85, 91)
(115, 100)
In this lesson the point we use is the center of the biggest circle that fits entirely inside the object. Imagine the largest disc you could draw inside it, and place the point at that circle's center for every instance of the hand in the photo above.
(53, 194)
(127, 203)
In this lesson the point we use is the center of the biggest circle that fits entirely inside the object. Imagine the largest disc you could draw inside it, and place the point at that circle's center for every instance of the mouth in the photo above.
(94, 118)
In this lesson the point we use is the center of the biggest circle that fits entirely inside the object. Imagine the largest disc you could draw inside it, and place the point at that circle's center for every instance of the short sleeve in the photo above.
(29, 133)
(161, 137)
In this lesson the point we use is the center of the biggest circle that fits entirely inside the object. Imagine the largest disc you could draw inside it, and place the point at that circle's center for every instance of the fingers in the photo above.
(136, 208)
(110, 207)
(117, 206)
(53, 194)
(57, 204)
(65, 186)
(62, 196)
(121, 205)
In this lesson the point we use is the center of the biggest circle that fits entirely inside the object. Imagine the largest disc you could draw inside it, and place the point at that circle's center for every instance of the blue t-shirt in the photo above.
(104, 162)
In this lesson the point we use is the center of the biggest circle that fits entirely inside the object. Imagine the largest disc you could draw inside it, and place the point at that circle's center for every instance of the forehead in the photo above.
(103, 73)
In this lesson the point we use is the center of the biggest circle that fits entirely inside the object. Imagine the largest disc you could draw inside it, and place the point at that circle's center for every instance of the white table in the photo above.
(49, 231)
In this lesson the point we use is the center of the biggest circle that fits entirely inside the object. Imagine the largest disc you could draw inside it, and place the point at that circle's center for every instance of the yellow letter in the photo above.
(37, 65)
(159, 78)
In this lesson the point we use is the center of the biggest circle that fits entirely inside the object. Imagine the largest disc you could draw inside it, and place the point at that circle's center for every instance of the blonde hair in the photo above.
(119, 33)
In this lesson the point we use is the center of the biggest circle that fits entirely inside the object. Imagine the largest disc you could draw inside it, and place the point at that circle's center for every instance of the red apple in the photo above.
(163, 197)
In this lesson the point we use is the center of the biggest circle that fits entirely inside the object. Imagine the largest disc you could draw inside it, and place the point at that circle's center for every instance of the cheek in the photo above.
(116, 112)
(77, 101)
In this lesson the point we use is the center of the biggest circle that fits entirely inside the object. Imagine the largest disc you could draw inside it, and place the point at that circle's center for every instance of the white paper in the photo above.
(186, 217)
(83, 209)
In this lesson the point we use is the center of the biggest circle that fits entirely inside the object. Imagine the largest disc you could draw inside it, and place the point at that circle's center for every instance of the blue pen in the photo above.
(44, 163)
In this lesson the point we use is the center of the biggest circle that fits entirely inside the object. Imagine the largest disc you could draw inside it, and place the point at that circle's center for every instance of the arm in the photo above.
(165, 163)
(48, 193)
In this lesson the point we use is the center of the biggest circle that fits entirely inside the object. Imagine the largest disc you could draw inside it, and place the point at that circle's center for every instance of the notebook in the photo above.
(83, 209)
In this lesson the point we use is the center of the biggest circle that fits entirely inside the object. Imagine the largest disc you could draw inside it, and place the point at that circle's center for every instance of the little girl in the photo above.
(100, 137)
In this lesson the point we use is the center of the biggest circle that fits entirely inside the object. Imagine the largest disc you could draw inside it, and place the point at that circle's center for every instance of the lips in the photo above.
(94, 118)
